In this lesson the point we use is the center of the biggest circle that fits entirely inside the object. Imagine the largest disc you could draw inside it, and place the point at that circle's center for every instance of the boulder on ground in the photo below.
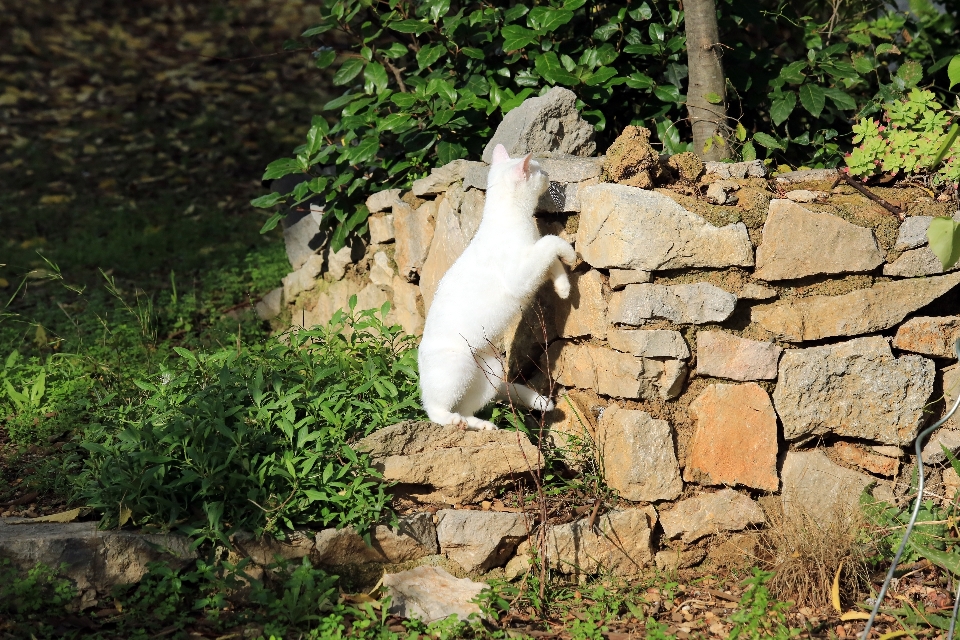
(817, 489)
(430, 594)
(448, 464)
(481, 540)
(710, 513)
(415, 537)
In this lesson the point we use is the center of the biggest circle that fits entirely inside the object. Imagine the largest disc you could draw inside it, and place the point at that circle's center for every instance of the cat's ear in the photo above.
(523, 169)
(500, 154)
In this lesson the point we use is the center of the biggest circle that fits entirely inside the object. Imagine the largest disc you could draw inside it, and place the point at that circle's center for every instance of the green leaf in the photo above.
(320, 28)
(271, 223)
(473, 52)
(429, 54)
(812, 98)
(741, 133)
(325, 58)
(342, 101)
(515, 12)
(667, 93)
(544, 19)
(550, 69)
(792, 73)
(516, 37)
(713, 98)
(450, 151)
(349, 70)
(410, 26)
(949, 561)
(748, 152)
(953, 71)
(393, 121)
(374, 77)
(948, 141)
(886, 48)
(910, 72)
(266, 201)
(840, 98)
(366, 150)
(944, 237)
(280, 168)
(603, 32)
(767, 141)
(781, 109)
(600, 76)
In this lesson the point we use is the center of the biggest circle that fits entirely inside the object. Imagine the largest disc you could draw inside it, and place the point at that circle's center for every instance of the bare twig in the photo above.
(897, 211)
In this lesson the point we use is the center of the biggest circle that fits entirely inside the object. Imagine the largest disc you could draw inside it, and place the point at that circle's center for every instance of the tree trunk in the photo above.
(706, 77)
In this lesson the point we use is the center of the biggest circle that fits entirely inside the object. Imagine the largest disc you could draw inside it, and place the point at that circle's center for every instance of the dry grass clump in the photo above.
(805, 552)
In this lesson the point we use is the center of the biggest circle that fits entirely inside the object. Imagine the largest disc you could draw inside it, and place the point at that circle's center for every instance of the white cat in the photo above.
(483, 293)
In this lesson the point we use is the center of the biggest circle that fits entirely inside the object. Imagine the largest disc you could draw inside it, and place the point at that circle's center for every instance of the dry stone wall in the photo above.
(728, 336)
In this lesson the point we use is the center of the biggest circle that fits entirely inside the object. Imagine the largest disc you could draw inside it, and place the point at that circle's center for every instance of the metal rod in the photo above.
(913, 519)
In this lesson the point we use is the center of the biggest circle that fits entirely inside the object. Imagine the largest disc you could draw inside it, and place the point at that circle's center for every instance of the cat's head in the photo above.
(521, 176)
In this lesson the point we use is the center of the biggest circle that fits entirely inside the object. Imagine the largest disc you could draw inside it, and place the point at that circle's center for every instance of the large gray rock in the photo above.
(619, 278)
(430, 593)
(862, 311)
(616, 374)
(303, 279)
(751, 169)
(381, 229)
(382, 200)
(584, 313)
(710, 513)
(546, 124)
(854, 389)
(302, 237)
(927, 336)
(449, 464)
(698, 303)
(481, 540)
(819, 490)
(913, 232)
(93, 559)
(916, 262)
(637, 455)
(441, 178)
(415, 537)
(630, 228)
(270, 305)
(619, 544)
(566, 169)
(414, 234)
(724, 355)
(798, 242)
(448, 243)
(649, 343)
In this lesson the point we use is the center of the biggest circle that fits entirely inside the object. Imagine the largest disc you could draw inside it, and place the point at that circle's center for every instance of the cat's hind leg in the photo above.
(526, 396)
(484, 388)
(453, 387)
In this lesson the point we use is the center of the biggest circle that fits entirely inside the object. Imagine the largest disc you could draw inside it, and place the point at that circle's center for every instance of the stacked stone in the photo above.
(729, 337)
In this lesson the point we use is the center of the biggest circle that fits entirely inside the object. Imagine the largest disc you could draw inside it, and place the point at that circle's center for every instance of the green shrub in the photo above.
(426, 81)
(256, 438)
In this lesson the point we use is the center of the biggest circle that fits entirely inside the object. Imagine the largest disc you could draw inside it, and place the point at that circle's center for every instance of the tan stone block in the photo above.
(584, 313)
(929, 336)
(637, 455)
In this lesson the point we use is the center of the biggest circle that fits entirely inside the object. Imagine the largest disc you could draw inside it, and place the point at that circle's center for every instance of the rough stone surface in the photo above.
(616, 374)
(302, 238)
(698, 303)
(754, 291)
(735, 441)
(452, 465)
(914, 263)
(948, 435)
(549, 123)
(688, 166)
(619, 278)
(806, 175)
(855, 389)
(476, 176)
(818, 489)
(628, 228)
(270, 305)
(620, 544)
(720, 192)
(337, 263)
(430, 593)
(710, 513)
(673, 559)
(913, 232)
(334, 296)
(751, 169)
(414, 234)
(448, 243)
(631, 160)
(804, 195)
(471, 212)
(414, 538)
(441, 178)
(649, 343)
(561, 168)
(637, 455)
(380, 271)
(304, 278)
(584, 313)
(933, 337)
(570, 427)
(857, 456)
(94, 559)
(724, 355)
(798, 242)
(481, 540)
(405, 310)
(382, 200)
(268, 550)
(381, 229)
(862, 311)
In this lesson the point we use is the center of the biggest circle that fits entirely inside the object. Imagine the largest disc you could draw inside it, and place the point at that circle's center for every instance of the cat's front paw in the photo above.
(565, 252)
(562, 287)
(542, 403)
